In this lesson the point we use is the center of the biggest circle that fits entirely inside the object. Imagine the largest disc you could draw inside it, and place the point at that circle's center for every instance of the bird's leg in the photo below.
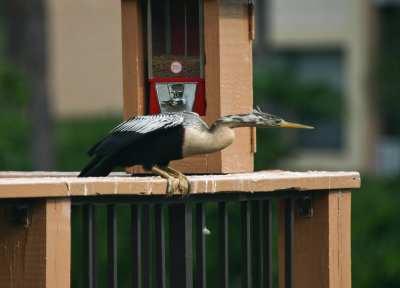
(172, 184)
(184, 184)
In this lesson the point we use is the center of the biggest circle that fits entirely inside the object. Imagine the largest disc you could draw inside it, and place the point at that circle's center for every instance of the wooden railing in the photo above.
(313, 228)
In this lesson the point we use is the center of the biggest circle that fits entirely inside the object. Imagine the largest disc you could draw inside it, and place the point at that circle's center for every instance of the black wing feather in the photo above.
(133, 130)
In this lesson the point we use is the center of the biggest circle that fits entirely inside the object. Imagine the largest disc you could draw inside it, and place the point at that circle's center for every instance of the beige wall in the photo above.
(309, 22)
(85, 62)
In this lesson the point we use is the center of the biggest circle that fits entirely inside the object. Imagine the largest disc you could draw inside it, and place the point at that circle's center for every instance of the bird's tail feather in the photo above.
(97, 167)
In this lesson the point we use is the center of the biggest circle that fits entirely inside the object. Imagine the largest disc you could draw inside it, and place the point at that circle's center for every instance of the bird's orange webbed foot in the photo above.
(184, 183)
(172, 186)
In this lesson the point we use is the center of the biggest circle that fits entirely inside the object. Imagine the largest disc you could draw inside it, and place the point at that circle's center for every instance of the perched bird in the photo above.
(154, 140)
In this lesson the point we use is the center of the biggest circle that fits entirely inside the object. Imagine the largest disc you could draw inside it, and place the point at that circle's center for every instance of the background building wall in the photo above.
(85, 62)
(342, 25)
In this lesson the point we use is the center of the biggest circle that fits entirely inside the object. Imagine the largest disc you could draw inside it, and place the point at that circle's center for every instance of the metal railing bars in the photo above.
(245, 243)
(201, 274)
(197, 198)
(289, 242)
(89, 229)
(160, 245)
(146, 246)
(112, 251)
(180, 245)
(267, 243)
(148, 214)
(255, 244)
(136, 247)
(223, 245)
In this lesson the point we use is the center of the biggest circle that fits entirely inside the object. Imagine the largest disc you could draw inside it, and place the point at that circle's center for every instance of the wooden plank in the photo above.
(322, 241)
(37, 255)
(340, 237)
(212, 74)
(244, 182)
(236, 80)
(58, 239)
(134, 59)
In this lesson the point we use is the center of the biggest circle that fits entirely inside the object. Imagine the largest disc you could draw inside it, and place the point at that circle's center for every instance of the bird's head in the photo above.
(259, 119)
(265, 120)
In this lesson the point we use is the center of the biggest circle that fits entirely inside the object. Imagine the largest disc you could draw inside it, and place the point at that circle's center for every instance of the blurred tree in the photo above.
(25, 22)
(15, 142)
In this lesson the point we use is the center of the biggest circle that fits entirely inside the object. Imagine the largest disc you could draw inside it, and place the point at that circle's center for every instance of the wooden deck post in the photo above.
(37, 254)
(322, 252)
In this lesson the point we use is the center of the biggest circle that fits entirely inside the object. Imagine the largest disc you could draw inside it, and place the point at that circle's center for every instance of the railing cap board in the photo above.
(62, 184)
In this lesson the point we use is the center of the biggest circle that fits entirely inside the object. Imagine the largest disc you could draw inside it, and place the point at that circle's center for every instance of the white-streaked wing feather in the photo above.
(134, 129)
(149, 123)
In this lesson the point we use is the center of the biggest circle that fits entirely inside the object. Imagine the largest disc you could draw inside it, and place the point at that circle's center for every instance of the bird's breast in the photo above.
(197, 141)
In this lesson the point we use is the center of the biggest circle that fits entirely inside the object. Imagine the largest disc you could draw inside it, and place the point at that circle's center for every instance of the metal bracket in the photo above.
(304, 207)
(20, 215)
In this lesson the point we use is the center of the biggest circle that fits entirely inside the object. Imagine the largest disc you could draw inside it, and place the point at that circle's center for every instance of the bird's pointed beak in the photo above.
(294, 125)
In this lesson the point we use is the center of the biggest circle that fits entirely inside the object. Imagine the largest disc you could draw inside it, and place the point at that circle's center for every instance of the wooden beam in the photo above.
(323, 241)
(264, 181)
(134, 59)
(58, 242)
(37, 254)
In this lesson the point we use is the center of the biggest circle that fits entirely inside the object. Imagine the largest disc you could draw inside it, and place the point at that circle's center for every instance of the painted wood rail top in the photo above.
(65, 184)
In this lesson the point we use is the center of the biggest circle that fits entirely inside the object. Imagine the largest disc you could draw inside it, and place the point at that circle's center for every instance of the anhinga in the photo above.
(154, 140)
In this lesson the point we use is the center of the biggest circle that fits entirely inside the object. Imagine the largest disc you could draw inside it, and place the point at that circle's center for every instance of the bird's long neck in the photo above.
(234, 121)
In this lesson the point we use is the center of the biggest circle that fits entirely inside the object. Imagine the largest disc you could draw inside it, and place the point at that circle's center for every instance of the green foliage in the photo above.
(376, 234)
(271, 148)
(74, 137)
(14, 121)
(303, 102)
(308, 100)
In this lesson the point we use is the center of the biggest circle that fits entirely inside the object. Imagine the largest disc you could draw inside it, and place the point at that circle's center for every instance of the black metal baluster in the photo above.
(136, 246)
(201, 245)
(267, 244)
(146, 246)
(289, 243)
(255, 245)
(245, 242)
(180, 245)
(160, 245)
(89, 228)
(112, 250)
(223, 245)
